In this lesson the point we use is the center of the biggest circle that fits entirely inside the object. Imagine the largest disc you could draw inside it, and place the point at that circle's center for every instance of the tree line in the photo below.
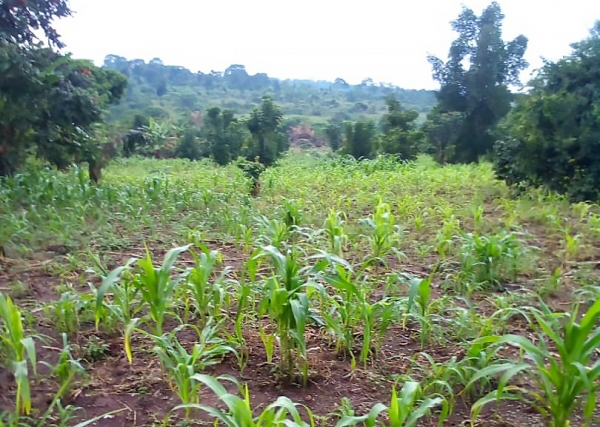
(62, 109)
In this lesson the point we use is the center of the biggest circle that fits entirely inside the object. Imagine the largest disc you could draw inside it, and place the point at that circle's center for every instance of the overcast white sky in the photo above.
(387, 40)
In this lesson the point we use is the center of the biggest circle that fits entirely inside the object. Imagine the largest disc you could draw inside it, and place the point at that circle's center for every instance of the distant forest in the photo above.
(171, 92)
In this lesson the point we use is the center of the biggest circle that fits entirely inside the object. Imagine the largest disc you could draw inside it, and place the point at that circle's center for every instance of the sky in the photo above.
(386, 40)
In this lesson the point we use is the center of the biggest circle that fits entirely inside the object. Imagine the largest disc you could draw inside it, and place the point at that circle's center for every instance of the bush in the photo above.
(554, 133)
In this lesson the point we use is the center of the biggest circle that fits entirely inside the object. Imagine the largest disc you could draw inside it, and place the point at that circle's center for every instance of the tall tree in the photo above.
(481, 90)
(400, 133)
(554, 132)
(269, 140)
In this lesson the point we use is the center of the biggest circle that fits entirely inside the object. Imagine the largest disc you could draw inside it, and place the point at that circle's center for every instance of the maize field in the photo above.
(346, 293)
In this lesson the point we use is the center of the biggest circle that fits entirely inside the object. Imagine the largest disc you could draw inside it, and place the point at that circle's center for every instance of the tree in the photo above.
(50, 104)
(20, 20)
(480, 91)
(157, 136)
(554, 132)
(224, 134)
(400, 134)
(358, 139)
(442, 130)
(269, 140)
(333, 131)
(188, 147)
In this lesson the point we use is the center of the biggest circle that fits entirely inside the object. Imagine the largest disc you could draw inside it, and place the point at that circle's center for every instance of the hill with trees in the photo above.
(171, 92)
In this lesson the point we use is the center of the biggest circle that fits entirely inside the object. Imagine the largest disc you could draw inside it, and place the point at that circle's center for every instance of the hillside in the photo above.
(162, 91)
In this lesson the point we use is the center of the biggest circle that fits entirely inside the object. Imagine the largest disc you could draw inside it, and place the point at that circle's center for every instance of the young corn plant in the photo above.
(383, 234)
(182, 364)
(376, 318)
(209, 295)
(438, 378)
(342, 319)
(156, 288)
(18, 349)
(116, 298)
(444, 238)
(406, 409)
(562, 363)
(274, 232)
(334, 228)
(66, 369)
(478, 356)
(421, 307)
(240, 412)
(64, 312)
(490, 260)
(287, 302)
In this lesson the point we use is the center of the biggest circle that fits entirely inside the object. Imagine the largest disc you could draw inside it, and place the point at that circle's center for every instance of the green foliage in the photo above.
(22, 21)
(479, 92)
(239, 411)
(182, 364)
(56, 109)
(287, 303)
(442, 131)
(18, 348)
(225, 135)
(359, 139)
(188, 146)
(554, 132)
(234, 89)
(565, 367)
(400, 135)
(334, 135)
(490, 261)
(406, 409)
(268, 138)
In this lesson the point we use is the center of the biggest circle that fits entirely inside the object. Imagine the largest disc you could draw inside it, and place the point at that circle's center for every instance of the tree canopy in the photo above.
(476, 77)
(554, 132)
(50, 104)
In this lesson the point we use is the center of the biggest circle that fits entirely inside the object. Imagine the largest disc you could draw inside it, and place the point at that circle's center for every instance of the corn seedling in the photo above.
(18, 349)
(182, 365)
(445, 236)
(334, 228)
(118, 284)
(572, 246)
(490, 260)
(343, 318)
(567, 378)
(274, 232)
(239, 411)
(377, 318)
(208, 294)
(287, 303)
(66, 369)
(438, 378)
(64, 312)
(383, 234)
(478, 217)
(420, 306)
(405, 410)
